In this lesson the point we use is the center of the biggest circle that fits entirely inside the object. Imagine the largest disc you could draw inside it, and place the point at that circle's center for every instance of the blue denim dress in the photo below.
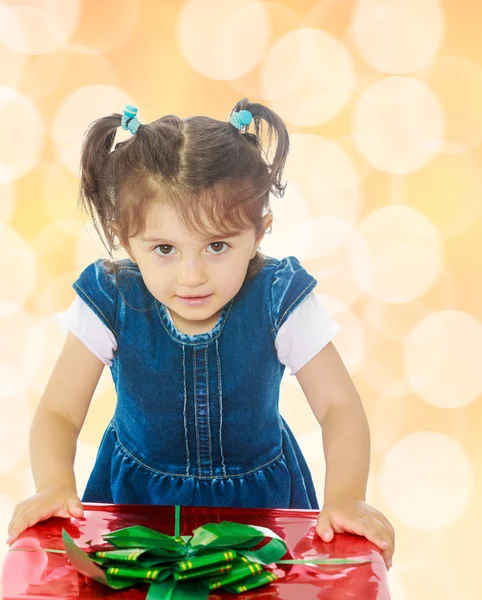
(197, 419)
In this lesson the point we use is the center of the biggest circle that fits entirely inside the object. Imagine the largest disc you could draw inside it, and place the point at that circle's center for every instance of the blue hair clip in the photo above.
(130, 121)
(241, 119)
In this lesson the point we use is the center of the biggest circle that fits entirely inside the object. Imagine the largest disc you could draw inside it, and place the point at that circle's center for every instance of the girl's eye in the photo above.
(218, 247)
(164, 249)
(168, 250)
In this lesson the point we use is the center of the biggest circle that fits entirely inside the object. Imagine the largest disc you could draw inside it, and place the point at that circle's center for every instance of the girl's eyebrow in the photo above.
(154, 239)
(171, 243)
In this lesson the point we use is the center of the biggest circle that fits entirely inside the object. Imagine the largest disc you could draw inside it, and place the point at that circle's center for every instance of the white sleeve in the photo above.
(82, 321)
(308, 329)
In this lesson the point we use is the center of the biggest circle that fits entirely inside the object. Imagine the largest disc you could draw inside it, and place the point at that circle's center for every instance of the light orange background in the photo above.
(383, 101)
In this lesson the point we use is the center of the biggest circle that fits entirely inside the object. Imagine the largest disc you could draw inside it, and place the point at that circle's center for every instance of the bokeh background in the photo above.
(383, 101)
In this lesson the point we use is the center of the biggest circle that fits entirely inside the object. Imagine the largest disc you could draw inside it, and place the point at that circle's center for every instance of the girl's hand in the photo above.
(355, 516)
(53, 501)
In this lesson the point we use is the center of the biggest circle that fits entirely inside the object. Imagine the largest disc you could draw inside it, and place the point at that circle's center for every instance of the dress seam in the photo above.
(84, 293)
(195, 411)
(194, 476)
(220, 396)
(311, 284)
(208, 411)
(188, 460)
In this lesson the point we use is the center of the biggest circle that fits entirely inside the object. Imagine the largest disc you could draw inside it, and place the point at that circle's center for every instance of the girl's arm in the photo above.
(346, 442)
(53, 438)
(338, 408)
(61, 413)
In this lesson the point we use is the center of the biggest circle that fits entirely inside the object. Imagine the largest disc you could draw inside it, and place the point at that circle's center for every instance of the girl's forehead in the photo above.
(162, 220)
(160, 214)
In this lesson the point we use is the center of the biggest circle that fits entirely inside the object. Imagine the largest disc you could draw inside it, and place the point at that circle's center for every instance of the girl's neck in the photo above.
(193, 327)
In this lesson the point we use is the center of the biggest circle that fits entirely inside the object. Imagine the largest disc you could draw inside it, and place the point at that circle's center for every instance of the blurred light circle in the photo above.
(108, 24)
(430, 578)
(412, 5)
(336, 276)
(350, 148)
(7, 203)
(387, 419)
(427, 480)
(398, 255)
(448, 191)
(52, 240)
(457, 81)
(325, 175)
(15, 327)
(423, 8)
(45, 341)
(442, 358)
(393, 321)
(382, 376)
(44, 75)
(14, 424)
(38, 26)
(22, 135)
(307, 77)
(6, 511)
(56, 295)
(333, 304)
(12, 66)
(398, 39)
(399, 124)
(59, 73)
(282, 19)
(218, 48)
(60, 191)
(318, 237)
(18, 268)
(13, 380)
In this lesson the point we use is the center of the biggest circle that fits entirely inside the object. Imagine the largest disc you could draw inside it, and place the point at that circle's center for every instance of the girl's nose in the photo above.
(191, 274)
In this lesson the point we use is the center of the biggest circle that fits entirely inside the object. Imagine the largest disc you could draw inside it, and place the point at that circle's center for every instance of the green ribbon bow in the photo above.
(217, 555)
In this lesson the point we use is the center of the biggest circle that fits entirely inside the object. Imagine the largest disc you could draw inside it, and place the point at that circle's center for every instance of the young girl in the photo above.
(197, 327)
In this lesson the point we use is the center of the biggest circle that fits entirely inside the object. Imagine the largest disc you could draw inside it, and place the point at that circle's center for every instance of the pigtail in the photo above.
(96, 194)
(276, 129)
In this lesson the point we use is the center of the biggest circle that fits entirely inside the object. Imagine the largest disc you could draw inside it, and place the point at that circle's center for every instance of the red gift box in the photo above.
(41, 575)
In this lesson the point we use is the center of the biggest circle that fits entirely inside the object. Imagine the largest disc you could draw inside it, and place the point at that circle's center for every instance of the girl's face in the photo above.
(194, 278)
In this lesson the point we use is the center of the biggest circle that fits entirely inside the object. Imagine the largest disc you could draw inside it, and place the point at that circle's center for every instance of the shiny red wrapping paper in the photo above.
(40, 575)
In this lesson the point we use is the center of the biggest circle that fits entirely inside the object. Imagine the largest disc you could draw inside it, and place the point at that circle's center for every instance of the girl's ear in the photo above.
(267, 223)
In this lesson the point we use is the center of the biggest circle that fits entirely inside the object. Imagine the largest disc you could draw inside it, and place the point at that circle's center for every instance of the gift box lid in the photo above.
(42, 575)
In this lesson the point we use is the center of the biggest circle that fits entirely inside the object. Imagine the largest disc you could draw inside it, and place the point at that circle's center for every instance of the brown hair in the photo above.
(216, 178)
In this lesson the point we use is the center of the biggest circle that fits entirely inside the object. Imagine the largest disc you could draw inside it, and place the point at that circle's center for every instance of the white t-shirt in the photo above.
(308, 329)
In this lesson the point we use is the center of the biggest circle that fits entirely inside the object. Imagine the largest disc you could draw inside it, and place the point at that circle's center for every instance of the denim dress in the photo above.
(197, 419)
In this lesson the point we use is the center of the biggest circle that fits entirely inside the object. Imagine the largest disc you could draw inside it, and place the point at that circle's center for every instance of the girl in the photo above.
(197, 327)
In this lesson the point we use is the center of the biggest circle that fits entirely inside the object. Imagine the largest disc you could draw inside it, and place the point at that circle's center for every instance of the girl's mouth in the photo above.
(195, 300)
